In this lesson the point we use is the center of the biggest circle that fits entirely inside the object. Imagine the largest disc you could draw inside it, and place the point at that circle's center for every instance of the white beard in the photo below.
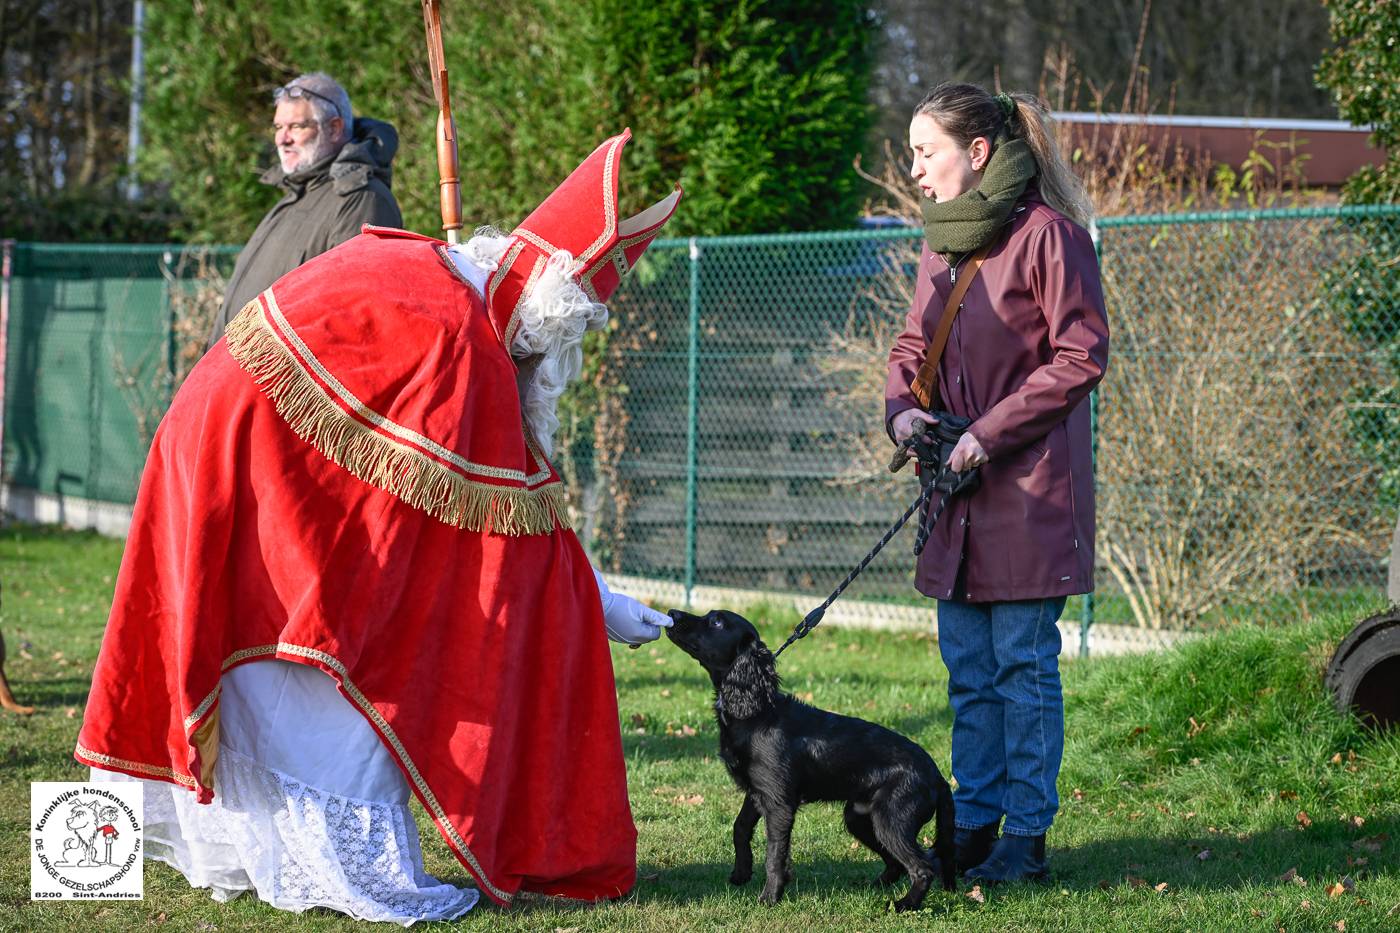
(548, 340)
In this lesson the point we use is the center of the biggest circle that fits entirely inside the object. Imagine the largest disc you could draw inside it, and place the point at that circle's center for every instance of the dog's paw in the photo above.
(888, 877)
(737, 877)
(904, 904)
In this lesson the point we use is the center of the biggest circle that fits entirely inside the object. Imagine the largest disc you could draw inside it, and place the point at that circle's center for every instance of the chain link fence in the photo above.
(729, 431)
(1247, 433)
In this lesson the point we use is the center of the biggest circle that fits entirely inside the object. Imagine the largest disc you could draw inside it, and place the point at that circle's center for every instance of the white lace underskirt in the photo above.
(296, 844)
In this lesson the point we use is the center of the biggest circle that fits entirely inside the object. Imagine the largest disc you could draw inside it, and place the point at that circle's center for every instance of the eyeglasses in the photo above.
(297, 91)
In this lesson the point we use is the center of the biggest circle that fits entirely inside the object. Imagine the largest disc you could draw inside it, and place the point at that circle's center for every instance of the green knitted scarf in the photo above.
(973, 218)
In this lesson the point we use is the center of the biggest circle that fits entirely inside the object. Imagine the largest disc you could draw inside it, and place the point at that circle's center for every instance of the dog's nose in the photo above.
(675, 614)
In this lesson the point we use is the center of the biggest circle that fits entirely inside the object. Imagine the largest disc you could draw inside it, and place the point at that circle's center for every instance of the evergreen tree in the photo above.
(1363, 73)
(757, 108)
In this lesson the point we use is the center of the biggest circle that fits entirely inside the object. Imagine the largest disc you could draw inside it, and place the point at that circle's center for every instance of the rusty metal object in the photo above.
(7, 699)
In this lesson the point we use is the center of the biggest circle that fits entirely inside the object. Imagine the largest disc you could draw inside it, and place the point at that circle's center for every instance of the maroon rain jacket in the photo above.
(1029, 344)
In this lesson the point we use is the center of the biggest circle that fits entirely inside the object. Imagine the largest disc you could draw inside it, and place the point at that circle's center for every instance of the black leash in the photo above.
(815, 616)
(932, 449)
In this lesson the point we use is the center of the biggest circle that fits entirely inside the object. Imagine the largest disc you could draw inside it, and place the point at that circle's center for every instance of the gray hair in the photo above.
(329, 89)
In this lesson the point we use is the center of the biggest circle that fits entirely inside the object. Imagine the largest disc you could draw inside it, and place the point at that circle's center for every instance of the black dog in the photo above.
(783, 753)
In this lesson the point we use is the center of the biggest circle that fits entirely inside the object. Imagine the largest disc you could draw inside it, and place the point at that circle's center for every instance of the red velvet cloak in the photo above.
(344, 481)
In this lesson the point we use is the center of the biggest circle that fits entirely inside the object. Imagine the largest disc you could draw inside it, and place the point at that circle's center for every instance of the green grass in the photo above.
(1213, 748)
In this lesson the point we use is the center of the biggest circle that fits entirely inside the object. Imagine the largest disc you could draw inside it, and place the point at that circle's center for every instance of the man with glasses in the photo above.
(334, 174)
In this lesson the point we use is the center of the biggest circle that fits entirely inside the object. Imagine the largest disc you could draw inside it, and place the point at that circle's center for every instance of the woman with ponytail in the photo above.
(1027, 345)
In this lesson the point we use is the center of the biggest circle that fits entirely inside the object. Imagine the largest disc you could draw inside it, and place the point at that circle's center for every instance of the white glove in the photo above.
(627, 620)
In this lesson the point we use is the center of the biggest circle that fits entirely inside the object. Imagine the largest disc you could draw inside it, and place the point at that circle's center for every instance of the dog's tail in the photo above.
(943, 825)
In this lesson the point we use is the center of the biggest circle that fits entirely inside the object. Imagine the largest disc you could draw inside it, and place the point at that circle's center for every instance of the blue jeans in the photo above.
(1008, 710)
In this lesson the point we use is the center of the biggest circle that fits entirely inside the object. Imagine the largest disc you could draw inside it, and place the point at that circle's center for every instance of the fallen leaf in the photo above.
(651, 877)
(1203, 854)
(690, 800)
(1137, 732)
(1293, 876)
(1305, 904)
(1136, 882)
(1371, 843)
(666, 692)
(976, 894)
(1256, 913)
(1303, 819)
(71, 712)
(58, 655)
(1340, 925)
(1288, 795)
(1195, 729)
(1190, 815)
(1336, 890)
(687, 730)
(1351, 755)
(1355, 822)
(1078, 794)
(638, 719)
(854, 845)
(566, 930)
(1337, 758)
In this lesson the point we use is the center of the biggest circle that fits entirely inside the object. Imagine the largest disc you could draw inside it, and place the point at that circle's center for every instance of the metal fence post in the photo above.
(6, 271)
(1086, 614)
(169, 283)
(692, 432)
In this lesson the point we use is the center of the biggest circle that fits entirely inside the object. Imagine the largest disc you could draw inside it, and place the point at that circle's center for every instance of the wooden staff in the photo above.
(449, 189)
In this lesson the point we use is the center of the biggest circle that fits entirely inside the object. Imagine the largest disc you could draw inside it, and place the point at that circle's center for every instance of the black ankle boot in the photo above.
(972, 846)
(1013, 858)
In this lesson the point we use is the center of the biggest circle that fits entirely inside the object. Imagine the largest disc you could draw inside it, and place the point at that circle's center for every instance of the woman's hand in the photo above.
(909, 422)
(966, 454)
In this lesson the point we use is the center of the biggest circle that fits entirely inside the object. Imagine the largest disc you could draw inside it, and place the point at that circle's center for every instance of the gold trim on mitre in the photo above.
(381, 457)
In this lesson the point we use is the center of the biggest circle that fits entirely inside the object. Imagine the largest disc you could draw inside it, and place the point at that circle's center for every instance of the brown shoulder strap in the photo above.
(925, 384)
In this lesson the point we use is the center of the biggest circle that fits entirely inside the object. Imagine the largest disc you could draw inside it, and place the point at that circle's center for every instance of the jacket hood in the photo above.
(368, 154)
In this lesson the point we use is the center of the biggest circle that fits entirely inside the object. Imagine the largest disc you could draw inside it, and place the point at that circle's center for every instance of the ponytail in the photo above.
(966, 112)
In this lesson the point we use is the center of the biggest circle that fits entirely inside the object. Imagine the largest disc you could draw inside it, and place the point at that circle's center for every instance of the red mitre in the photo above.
(579, 218)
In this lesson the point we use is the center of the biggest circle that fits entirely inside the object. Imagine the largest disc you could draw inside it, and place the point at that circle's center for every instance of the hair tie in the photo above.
(1007, 105)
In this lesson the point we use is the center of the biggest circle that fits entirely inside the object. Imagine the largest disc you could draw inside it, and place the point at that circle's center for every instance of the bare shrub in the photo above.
(194, 289)
(1224, 469)
(196, 286)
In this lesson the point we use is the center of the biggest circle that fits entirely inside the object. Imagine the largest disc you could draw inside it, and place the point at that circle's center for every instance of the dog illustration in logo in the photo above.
(82, 845)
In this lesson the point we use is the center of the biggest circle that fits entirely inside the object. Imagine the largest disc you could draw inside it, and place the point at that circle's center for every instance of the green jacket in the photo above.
(323, 206)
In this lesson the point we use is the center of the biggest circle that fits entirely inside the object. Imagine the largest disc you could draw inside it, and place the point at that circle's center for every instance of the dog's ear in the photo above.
(751, 684)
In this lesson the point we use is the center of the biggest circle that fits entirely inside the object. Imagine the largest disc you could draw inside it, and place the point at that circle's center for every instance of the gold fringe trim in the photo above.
(97, 759)
(401, 471)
